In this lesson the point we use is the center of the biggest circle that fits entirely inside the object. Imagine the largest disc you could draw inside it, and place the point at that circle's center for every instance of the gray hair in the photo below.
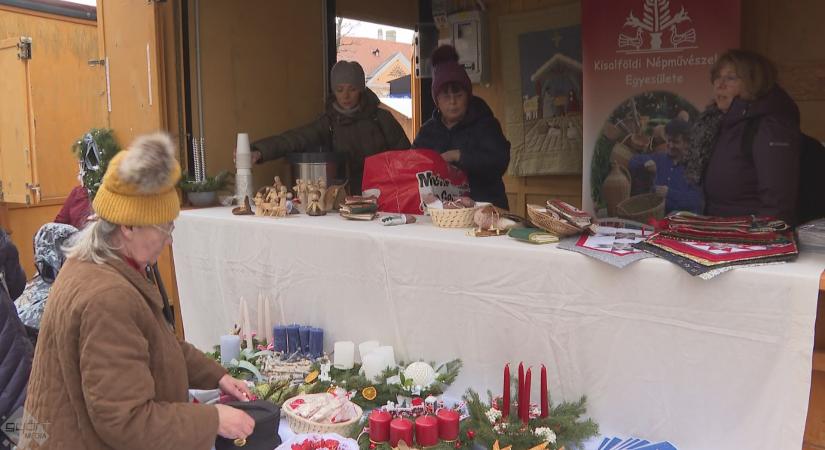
(94, 243)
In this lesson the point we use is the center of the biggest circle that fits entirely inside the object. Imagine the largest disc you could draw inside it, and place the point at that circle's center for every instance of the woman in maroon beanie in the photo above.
(464, 130)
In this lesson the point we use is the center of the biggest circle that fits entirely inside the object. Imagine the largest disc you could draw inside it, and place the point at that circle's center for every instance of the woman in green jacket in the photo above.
(353, 123)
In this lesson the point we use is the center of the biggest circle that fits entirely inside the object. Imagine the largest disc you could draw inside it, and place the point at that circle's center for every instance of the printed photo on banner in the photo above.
(646, 70)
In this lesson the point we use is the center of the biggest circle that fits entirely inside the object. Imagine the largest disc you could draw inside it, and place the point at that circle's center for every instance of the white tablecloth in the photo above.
(719, 364)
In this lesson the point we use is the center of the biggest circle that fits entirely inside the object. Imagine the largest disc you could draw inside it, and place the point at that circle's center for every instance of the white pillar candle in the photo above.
(387, 355)
(270, 338)
(366, 347)
(344, 355)
(247, 325)
(373, 364)
(260, 329)
(230, 348)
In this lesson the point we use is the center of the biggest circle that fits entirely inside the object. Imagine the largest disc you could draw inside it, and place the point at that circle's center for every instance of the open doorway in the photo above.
(386, 53)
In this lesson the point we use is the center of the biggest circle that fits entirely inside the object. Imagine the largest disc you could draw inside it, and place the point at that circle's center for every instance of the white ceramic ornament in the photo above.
(421, 373)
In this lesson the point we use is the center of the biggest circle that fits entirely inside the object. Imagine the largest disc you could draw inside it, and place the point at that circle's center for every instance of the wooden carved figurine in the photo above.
(314, 206)
(333, 196)
(322, 191)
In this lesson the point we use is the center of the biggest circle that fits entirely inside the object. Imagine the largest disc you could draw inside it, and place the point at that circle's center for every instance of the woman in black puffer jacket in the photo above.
(464, 130)
(16, 350)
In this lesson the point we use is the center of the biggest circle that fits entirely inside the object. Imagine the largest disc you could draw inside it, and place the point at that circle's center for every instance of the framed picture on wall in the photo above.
(541, 58)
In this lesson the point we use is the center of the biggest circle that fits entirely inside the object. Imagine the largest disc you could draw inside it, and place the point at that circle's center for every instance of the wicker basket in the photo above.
(453, 218)
(300, 425)
(544, 220)
(642, 207)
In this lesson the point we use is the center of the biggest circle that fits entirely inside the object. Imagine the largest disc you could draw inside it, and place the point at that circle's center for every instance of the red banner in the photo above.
(646, 63)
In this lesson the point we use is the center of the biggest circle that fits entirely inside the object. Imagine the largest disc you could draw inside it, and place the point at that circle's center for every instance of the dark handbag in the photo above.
(265, 436)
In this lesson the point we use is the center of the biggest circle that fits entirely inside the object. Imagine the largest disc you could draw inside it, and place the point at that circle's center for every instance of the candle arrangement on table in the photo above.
(514, 421)
(300, 340)
(426, 431)
(526, 410)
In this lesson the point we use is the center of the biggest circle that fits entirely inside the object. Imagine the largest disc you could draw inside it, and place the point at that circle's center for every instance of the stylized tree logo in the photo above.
(656, 19)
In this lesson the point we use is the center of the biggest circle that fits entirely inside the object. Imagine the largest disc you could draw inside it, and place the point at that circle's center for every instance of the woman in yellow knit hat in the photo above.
(108, 371)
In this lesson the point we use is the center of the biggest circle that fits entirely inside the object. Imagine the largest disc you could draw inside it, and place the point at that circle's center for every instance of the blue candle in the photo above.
(293, 339)
(304, 332)
(279, 331)
(316, 342)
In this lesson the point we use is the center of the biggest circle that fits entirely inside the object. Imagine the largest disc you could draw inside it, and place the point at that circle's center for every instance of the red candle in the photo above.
(401, 430)
(505, 396)
(544, 403)
(447, 424)
(426, 431)
(527, 379)
(379, 424)
(520, 394)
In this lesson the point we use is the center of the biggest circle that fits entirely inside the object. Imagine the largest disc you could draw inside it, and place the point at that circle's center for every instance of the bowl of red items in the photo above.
(329, 441)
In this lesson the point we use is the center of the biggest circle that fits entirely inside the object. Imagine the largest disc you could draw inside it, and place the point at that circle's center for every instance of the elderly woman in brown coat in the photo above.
(109, 372)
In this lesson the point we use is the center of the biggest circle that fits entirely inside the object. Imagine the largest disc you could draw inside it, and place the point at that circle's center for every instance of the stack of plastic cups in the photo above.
(243, 169)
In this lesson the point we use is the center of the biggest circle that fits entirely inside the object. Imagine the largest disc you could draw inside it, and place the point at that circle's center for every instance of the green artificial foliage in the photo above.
(277, 392)
(95, 164)
(208, 184)
(565, 419)
(351, 380)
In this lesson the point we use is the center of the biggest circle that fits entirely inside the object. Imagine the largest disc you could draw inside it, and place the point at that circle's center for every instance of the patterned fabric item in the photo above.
(612, 242)
(707, 272)
(31, 304)
(702, 140)
(49, 258)
(712, 253)
(707, 246)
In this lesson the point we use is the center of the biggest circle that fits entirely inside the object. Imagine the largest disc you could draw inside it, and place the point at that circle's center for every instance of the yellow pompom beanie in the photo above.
(138, 188)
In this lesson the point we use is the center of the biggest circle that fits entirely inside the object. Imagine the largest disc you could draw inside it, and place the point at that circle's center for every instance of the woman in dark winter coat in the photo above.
(741, 179)
(353, 123)
(10, 270)
(16, 350)
(464, 130)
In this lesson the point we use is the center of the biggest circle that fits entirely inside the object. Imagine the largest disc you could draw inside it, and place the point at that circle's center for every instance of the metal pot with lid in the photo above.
(314, 165)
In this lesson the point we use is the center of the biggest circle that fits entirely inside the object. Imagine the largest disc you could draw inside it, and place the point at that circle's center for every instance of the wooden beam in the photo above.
(819, 361)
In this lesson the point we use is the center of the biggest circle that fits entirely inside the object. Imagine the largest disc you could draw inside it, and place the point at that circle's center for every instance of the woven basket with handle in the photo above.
(301, 425)
(545, 220)
(642, 207)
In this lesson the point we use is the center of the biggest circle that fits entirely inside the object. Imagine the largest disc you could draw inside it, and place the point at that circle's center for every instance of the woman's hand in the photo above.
(254, 154)
(235, 388)
(234, 423)
(451, 155)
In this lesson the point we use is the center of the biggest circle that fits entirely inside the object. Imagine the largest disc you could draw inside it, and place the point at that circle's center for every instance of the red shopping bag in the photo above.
(402, 179)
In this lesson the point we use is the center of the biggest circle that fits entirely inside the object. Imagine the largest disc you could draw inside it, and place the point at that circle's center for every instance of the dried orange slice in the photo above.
(331, 389)
(369, 393)
(311, 377)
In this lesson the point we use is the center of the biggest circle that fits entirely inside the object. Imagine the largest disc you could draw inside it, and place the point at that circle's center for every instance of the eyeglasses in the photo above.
(727, 79)
(167, 230)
